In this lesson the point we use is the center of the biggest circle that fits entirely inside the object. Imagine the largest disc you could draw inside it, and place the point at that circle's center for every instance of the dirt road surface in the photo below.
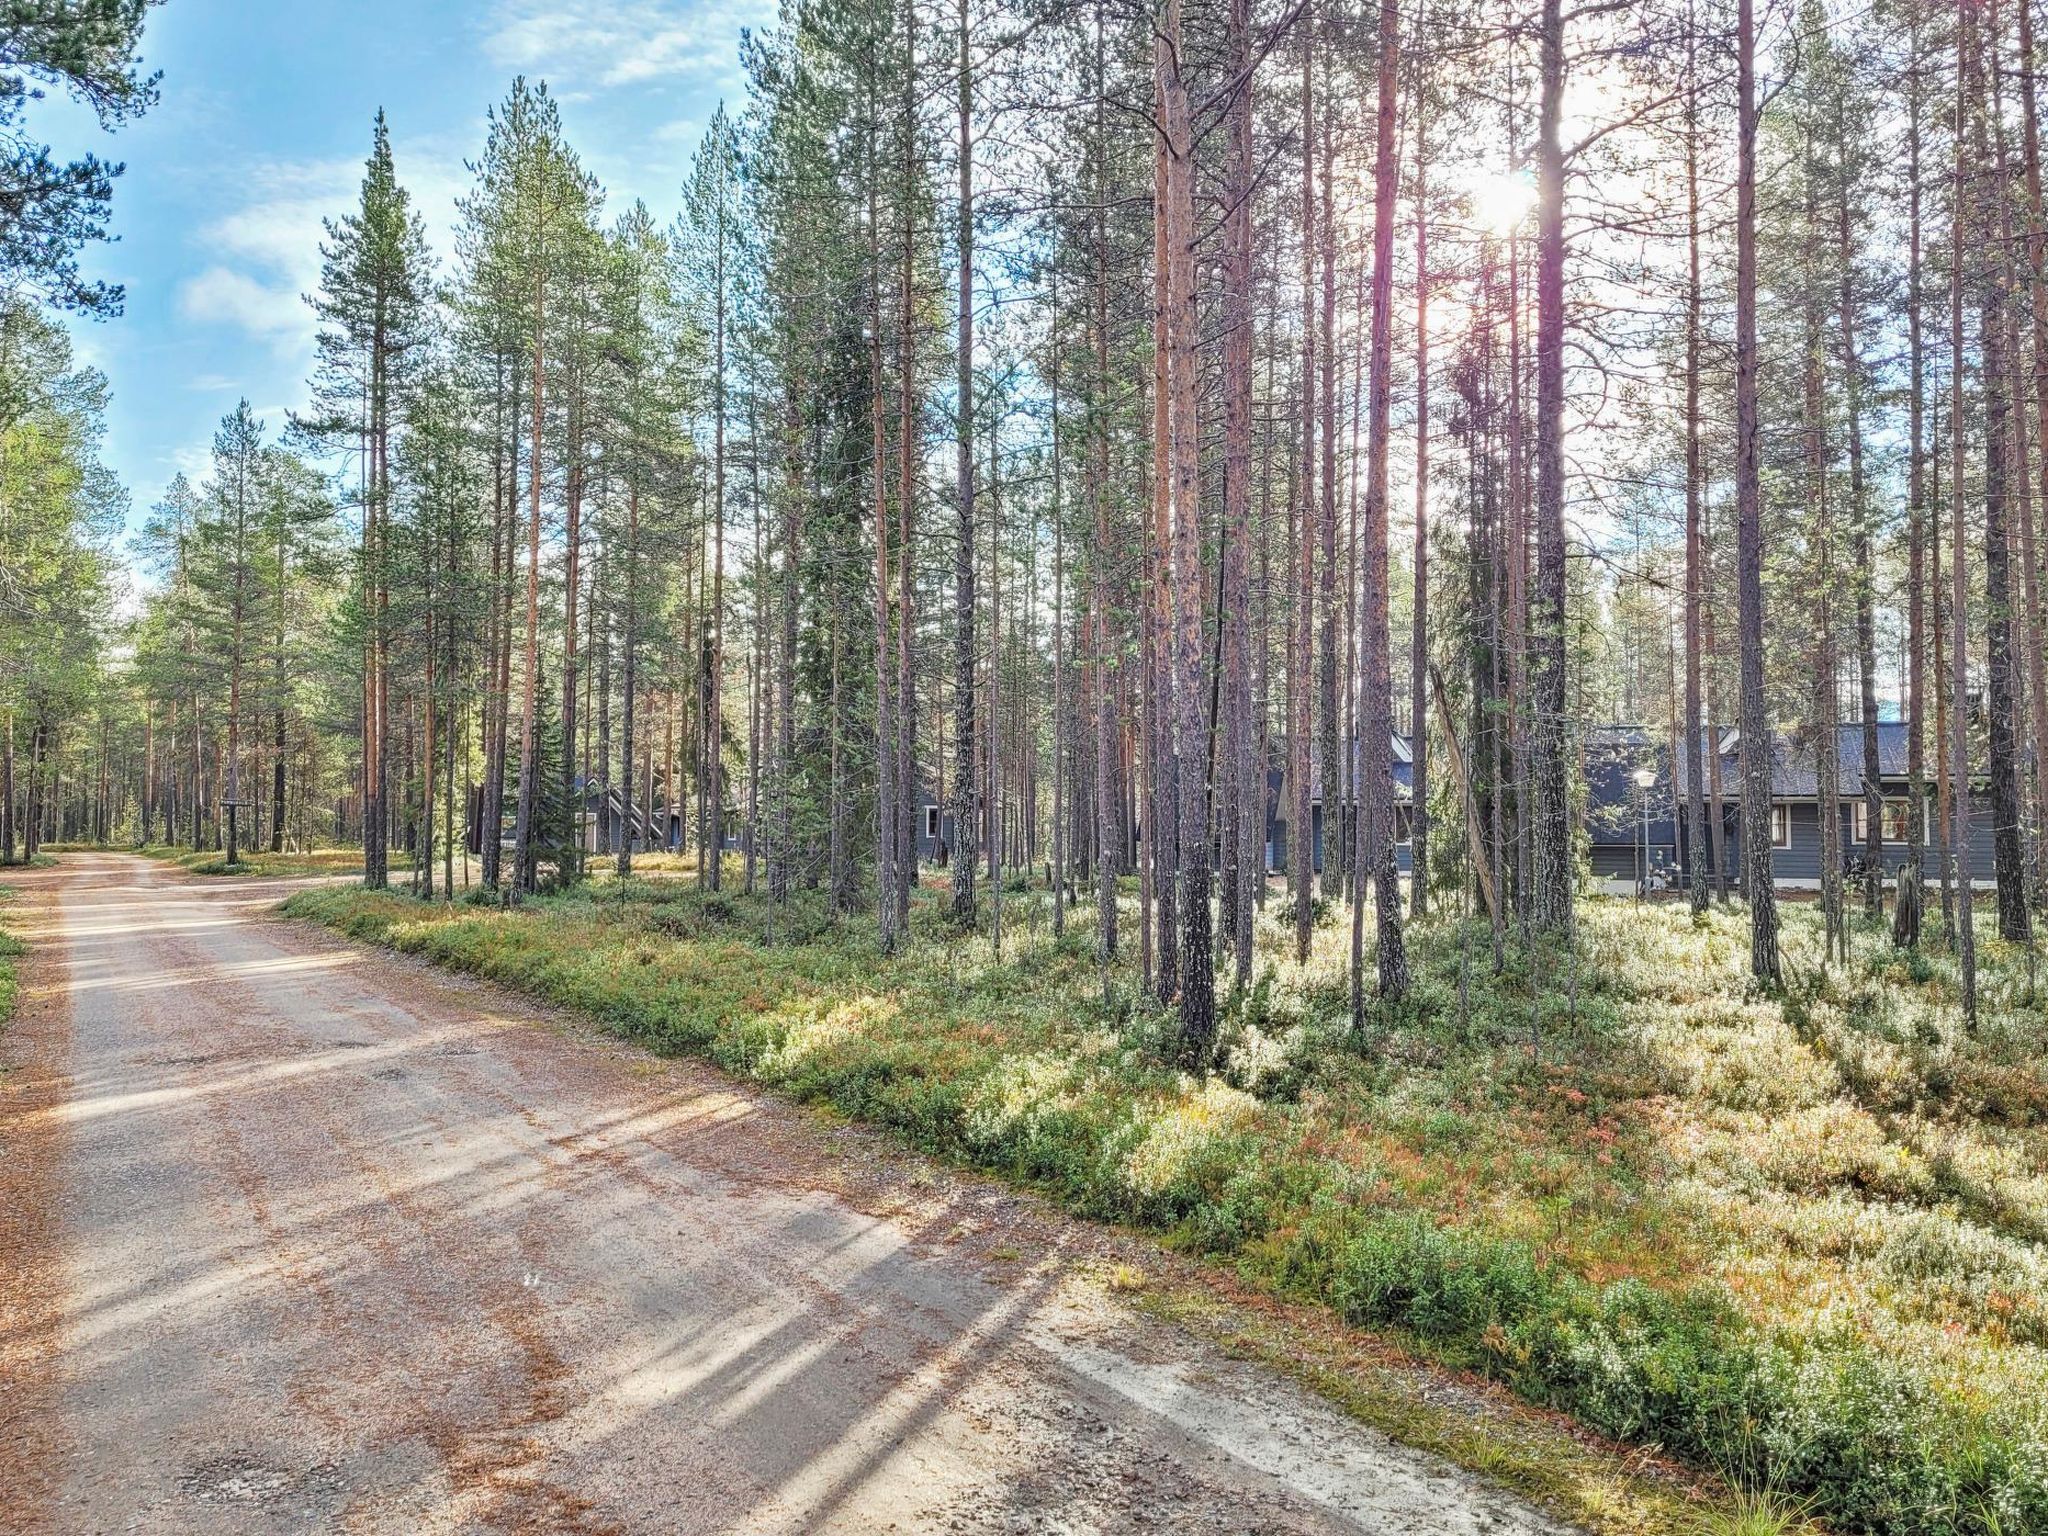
(301, 1238)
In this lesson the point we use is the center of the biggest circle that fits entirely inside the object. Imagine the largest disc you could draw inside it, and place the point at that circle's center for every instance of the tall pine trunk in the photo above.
(1163, 786)
(965, 805)
(1375, 850)
(523, 861)
(572, 555)
(1108, 838)
(1190, 713)
(1826, 744)
(1301, 844)
(713, 832)
(909, 446)
(1957, 746)
(1551, 738)
(2008, 859)
(629, 678)
(1757, 747)
(1239, 781)
(1339, 757)
(1865, 563)
(886, 807)
(1916, 490)
(1694, 740)
(2032, 576)
(1418, 635)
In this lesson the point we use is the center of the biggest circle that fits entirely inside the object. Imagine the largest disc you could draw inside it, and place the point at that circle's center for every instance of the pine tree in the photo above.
(50, 209)
(372, 307)
(713, 247)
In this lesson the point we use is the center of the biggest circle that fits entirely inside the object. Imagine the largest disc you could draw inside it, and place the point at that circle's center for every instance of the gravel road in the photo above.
(296, 1237)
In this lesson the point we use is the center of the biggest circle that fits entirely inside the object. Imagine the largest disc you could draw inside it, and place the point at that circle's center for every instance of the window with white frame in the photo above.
(931, 823)
(1892, 826)
(1781, 826)
(1898, 821)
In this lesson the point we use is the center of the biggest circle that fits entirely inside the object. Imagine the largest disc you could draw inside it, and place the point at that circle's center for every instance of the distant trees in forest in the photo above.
(1096, 444)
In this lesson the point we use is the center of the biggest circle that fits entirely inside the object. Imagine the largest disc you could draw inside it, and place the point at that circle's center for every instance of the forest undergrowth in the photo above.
(1797, 1240)
(11, 950)
(258, 862)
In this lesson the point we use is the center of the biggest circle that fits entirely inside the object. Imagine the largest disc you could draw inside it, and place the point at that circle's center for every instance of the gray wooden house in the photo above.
(1634, 808)
(1796, 809)
(1631, 829)
(603, 817)
(933, 826)
(1280, 801)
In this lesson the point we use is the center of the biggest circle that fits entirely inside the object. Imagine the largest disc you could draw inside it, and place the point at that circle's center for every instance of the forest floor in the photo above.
(253, 863)
(299, 1236)
(1796, 1239)
(11, 951)
(262, 863)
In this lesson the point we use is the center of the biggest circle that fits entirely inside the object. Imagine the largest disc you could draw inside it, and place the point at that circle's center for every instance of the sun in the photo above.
(1500, 200)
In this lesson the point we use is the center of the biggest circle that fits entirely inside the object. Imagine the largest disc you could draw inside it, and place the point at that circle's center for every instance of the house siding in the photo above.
(1799, 864)
(1614, 825)
(1617, 861)
(1276, 842)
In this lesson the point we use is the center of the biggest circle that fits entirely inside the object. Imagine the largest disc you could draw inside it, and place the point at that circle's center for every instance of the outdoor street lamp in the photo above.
(1644, 779)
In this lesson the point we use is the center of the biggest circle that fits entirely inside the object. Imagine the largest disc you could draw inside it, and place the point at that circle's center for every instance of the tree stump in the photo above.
(1906, 909)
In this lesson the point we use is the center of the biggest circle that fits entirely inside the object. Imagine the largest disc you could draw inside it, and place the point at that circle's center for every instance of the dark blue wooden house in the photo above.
(1280, 801)
(603, 817)
(1634, 808)
(1631, 828)
(934, 827)
(1796, 809)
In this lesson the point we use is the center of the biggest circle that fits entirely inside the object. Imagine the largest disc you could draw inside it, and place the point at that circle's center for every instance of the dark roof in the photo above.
(1614, 754)
(1619, 736)
(1793, 769)
(613, 799)
(1400, 756)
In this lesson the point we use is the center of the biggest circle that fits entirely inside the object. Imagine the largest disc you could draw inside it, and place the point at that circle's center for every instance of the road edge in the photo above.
(34, 1085)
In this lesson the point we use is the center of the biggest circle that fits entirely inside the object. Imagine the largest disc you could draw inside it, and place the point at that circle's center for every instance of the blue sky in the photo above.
(261, 133)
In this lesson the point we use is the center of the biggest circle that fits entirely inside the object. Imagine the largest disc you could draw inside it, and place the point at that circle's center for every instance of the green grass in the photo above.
(1755, 1513)
(11, 950)
(1797, 1242)
(318, 861)
(212, 861)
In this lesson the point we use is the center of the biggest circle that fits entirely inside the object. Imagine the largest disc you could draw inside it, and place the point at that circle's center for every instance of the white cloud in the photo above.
(192, 460)
(680, 130)
(266, 252)
(633, 42)
(268, 311)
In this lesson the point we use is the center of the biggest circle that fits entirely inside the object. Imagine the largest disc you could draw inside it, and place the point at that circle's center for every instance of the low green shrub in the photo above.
(11, 950)
(1865, 1439)
(7, 988)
